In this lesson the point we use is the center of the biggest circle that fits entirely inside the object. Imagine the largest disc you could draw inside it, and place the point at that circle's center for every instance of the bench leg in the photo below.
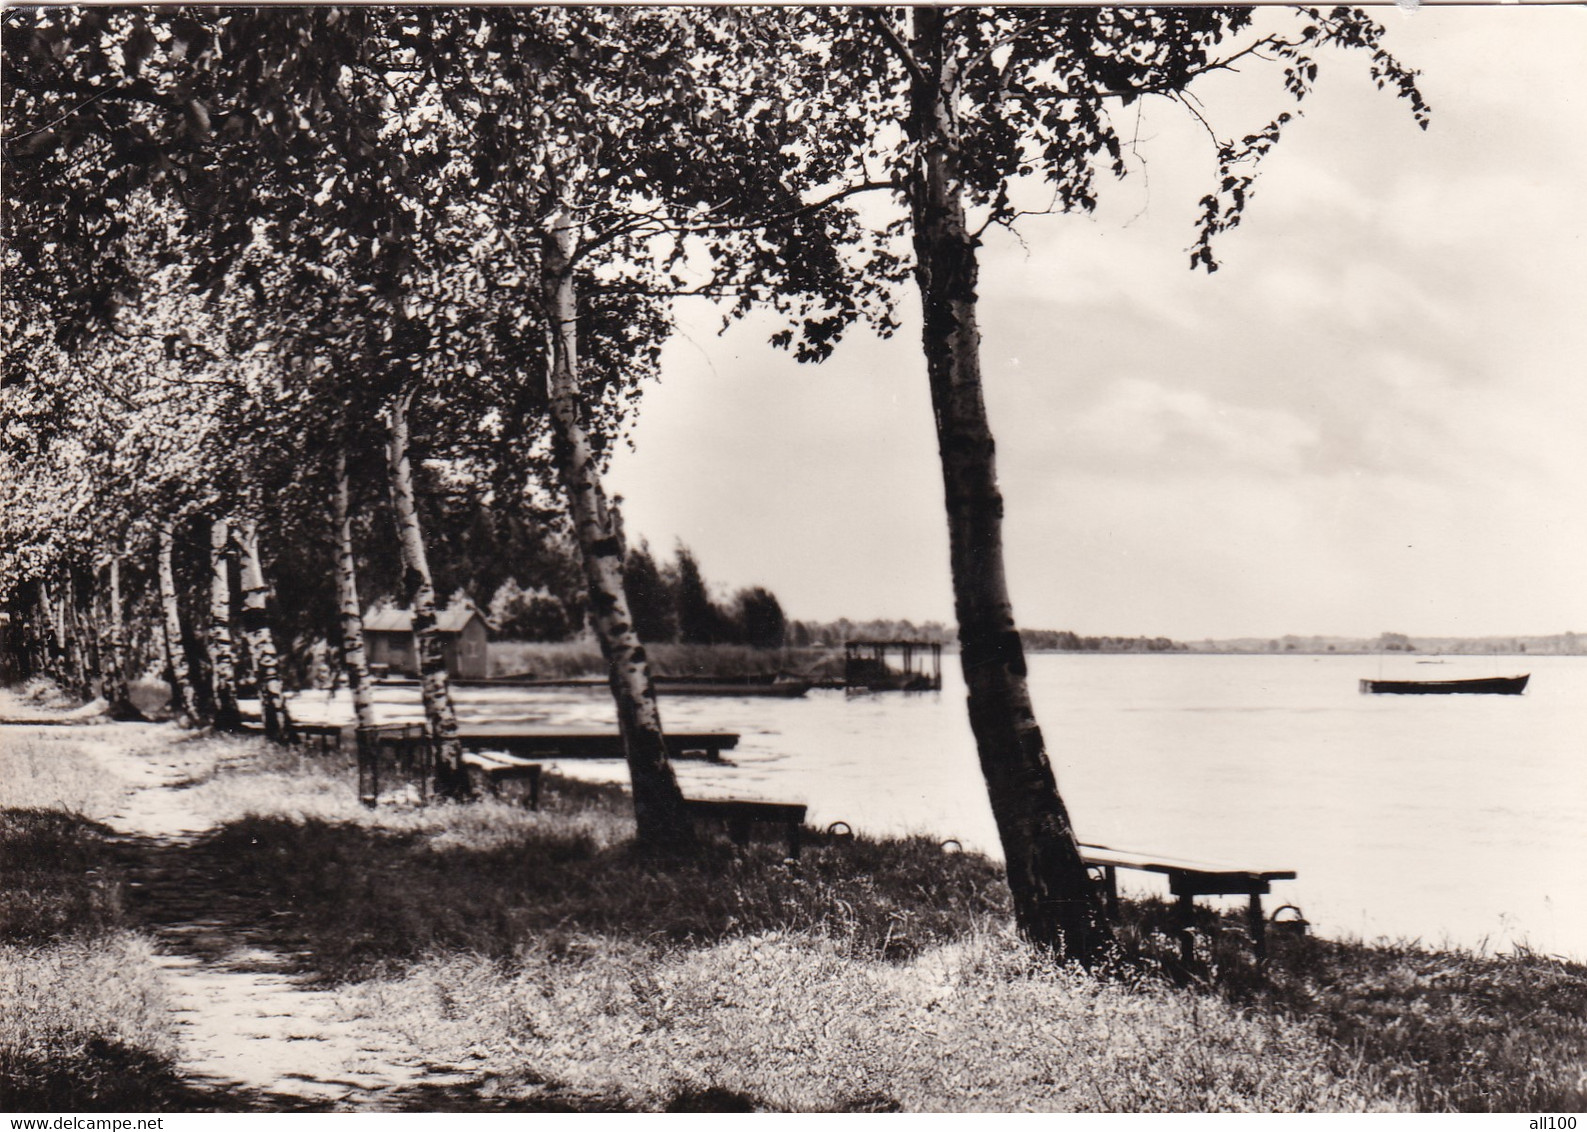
(1258, 929)
(1187, 933)
(534, 789)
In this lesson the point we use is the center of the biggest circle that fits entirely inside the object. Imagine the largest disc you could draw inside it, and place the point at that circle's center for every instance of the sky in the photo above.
(1370, 419)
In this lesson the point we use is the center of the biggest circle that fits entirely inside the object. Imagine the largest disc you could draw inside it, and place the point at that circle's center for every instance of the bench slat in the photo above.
(1158, 863)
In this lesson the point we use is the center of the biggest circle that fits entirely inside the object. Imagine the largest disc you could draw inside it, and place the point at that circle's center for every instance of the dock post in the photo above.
(1187, 931)
(368, 767)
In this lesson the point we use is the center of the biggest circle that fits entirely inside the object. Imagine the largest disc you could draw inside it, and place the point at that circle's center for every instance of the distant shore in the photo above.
(576, 659)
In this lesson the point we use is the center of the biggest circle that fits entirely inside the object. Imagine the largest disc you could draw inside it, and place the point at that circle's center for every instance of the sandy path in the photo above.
(247, 1018)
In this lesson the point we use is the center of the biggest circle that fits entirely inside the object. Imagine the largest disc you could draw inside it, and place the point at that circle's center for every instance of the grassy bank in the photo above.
(872, 975)
(83, 1021)
(572, 659)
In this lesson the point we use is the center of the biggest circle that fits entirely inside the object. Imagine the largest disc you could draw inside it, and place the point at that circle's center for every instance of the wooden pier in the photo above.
(867, 666)
(528, 741)
(524, 740)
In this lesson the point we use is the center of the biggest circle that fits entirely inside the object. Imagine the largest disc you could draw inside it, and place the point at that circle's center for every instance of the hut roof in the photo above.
(448, 620)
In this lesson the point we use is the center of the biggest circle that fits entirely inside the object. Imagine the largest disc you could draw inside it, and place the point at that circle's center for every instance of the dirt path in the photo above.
(253, 1028)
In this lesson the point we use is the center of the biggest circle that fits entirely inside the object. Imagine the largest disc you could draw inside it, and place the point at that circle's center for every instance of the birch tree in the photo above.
(602, 146)
(171, 620)
(952, 107)
(222, 660)
(354, 658)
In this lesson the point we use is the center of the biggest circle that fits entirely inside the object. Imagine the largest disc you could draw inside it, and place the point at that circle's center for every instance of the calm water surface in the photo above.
(1458, 819)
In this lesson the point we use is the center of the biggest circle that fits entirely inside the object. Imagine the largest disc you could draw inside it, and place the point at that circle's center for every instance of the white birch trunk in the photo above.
(176, 656)
(113, 660)
(222, 657)
(660, 816)
(354, 658)
(1055, 902)
(256, 627)
(419, 592)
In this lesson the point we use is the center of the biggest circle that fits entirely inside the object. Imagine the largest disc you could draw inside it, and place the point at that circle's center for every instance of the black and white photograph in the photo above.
(825, 559)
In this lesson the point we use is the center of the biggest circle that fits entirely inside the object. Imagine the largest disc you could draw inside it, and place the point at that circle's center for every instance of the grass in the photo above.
(784, 1021)
(483, 878)
(872, 975)
(84, 1026)
(571, 659)
(83, 1021)
(1450, 1030)
(47, 769)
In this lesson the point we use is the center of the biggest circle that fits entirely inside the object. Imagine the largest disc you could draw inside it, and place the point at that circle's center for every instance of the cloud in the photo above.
(1144, 427)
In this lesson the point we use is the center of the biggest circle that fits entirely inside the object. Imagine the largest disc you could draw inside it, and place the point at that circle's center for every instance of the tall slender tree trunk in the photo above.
(354, 657)
(222, 657)
(53, 613)
(113, 658)
(1055, 902)
(660, 815)
(176, 655)
(75, 655)
(419, 591)
(256, 627)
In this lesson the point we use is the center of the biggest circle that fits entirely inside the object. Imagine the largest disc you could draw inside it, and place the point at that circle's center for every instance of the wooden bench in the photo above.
(496, 771)
(738, 815)
(323, 738)
(399, 752)
(1188, 880)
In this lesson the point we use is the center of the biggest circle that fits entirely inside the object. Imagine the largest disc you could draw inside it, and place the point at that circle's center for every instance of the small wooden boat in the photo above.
(1484, 686)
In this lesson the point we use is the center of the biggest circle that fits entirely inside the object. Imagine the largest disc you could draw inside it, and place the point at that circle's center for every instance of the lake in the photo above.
(1449, 819)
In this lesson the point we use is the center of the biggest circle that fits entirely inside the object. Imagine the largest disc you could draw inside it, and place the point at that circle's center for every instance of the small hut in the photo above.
(389, 636)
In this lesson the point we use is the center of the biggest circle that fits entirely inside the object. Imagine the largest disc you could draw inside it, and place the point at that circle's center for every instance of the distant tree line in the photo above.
(806, 634)
(1558, 644)
(1062, 640)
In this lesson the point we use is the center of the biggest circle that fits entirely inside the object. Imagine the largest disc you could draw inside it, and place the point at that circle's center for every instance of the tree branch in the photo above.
(895, 43)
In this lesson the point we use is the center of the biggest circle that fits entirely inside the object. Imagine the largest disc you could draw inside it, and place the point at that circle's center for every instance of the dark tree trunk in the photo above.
(54, 620)
(261, 646)
(113, 658)
(222, 658)
(660, 816)
(354, 658)
(77, 656)
(171, 618)
(451, 778)
(1055, 902)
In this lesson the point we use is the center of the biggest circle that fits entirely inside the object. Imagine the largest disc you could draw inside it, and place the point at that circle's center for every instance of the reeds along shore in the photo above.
(570, 659)
(532, 947)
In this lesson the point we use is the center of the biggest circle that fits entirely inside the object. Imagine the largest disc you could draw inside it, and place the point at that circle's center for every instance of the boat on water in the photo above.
(1482, 686)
